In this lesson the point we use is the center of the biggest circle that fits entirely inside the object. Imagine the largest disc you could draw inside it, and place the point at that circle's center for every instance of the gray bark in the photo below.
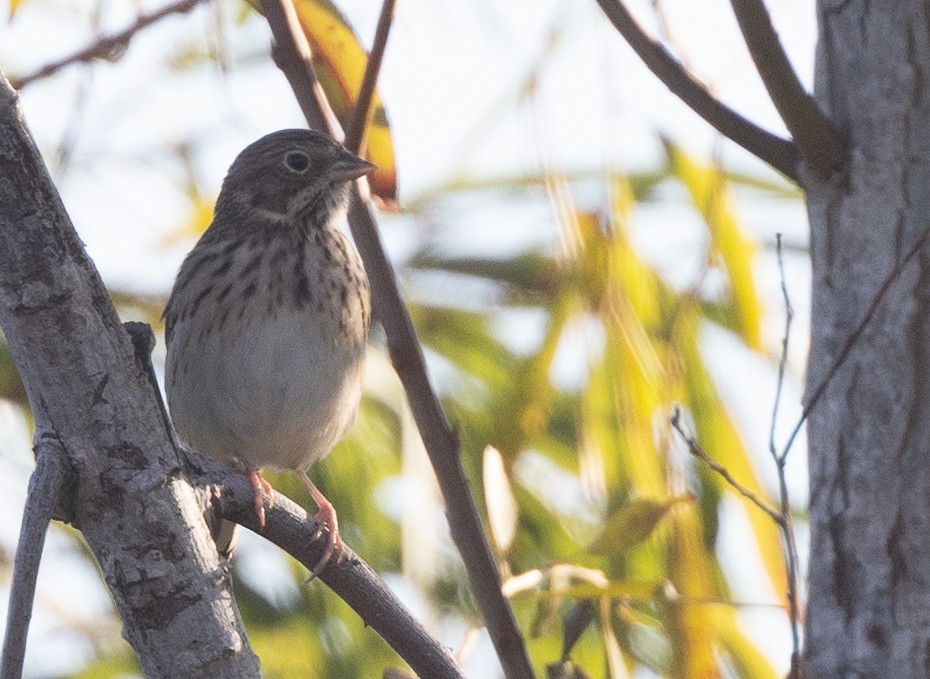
(869, 582)
(88, 391)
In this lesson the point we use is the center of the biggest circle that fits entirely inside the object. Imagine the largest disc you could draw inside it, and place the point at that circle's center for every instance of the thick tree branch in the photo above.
(817, 140)
(108, 47)
(780, 153)
(292, 56)
(131, 500)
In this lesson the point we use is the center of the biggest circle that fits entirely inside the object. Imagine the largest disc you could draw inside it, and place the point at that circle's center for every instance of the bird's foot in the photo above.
(261, 490)
(326, 518)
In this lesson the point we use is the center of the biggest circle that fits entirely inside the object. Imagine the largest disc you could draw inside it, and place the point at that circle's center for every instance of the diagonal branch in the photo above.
(439, 438)
(780, 153)
(288, 526)
(853, 339)
(109, 47)
(361, 114)
(819, 143)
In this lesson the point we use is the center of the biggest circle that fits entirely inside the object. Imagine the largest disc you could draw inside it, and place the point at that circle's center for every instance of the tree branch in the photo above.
(817, 140)
(780, 153)
(292, 56)
(361, 114)
(45, 487)
(109, 47)
(131, 500)
(287, 525)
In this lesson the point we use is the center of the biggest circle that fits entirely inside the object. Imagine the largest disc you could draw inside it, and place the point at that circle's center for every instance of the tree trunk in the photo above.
(869, 599)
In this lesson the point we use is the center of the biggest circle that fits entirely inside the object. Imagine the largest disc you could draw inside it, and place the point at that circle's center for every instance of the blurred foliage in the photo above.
(605, 529)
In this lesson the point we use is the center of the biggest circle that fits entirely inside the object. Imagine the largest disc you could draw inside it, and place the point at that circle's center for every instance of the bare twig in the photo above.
(695, 449)
(109, 47)
(851, 341)
(780, 153)
(361, 114)
(787, 528)
(44, 491)
(783, 360)
(817, 140)
(439, 438)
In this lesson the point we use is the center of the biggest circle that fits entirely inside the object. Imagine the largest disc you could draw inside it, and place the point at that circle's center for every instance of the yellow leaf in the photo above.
(708, 189)
(339, 60)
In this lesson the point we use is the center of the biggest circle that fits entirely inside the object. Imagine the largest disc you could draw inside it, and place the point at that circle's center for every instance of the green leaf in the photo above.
(631, 524)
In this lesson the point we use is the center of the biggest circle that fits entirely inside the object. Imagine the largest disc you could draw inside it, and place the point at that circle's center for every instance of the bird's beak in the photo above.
(349, 166)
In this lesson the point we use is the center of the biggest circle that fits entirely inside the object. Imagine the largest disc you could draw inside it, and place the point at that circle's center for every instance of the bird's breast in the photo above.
(278, 356)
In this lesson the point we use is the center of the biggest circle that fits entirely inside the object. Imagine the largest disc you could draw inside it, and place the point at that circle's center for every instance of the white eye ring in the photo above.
(297, 161)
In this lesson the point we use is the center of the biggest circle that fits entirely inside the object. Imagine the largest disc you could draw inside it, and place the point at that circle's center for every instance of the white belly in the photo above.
(281, 392)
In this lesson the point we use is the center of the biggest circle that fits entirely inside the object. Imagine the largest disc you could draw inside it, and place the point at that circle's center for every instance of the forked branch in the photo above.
(782, 154)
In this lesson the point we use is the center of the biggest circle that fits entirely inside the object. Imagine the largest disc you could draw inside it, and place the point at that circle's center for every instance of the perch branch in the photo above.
(288, 526)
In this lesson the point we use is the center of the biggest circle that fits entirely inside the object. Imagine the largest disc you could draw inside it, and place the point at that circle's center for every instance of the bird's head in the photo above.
(292, 174)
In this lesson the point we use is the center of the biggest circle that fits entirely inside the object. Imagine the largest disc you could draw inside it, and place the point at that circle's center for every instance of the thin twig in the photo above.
(786, 526)
(782, 154)
(44, 490)
(783, 360)
(108, 47)
(817, 140)
(854, 338)
(361, 114)
(695, 449)
(406, 353)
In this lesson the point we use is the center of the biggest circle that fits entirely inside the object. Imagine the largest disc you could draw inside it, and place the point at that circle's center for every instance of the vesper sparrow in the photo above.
(267, 322)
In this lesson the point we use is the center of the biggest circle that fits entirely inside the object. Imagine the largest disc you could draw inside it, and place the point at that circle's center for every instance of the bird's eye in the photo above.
(297, 161)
